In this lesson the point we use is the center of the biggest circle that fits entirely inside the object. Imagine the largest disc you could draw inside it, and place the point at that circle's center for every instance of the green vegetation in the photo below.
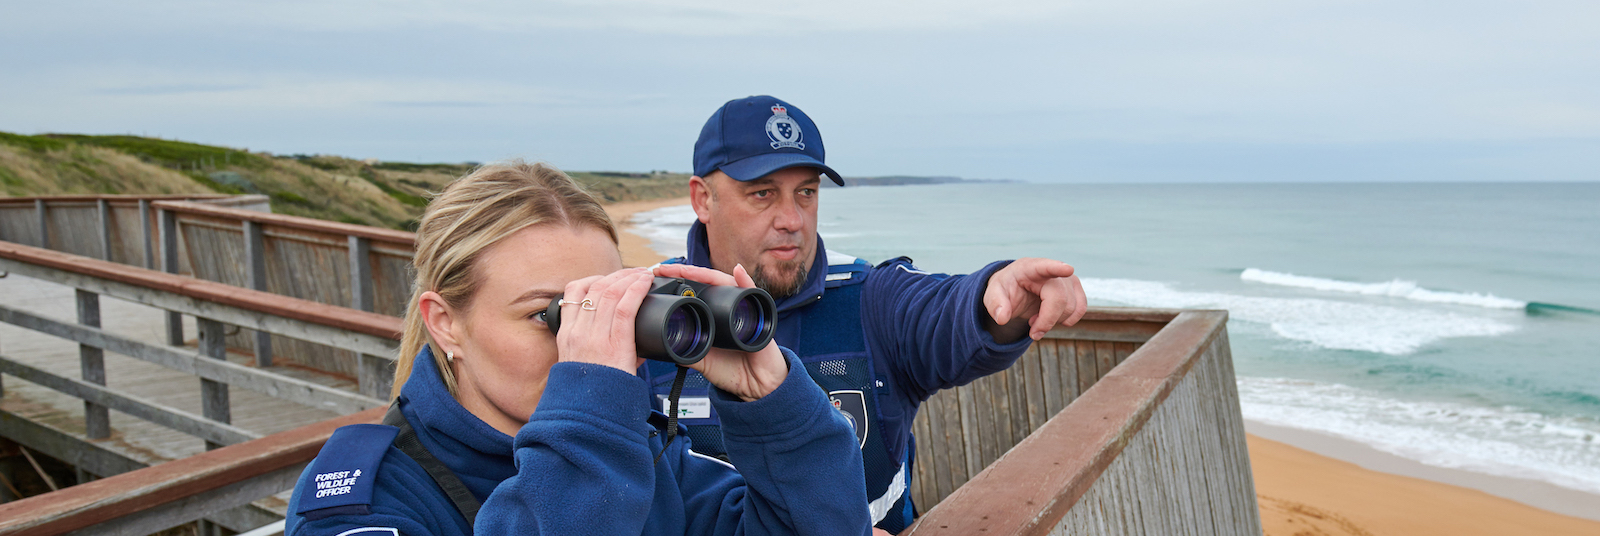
(387, 194)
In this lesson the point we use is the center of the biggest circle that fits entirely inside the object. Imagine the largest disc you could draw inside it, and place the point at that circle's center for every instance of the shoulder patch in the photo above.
(344, 473)
(844, 270)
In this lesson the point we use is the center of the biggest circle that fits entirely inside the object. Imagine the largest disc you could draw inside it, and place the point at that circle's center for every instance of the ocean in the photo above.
(1457, 325)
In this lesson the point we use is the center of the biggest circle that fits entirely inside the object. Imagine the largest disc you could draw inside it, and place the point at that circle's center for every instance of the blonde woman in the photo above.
(500, 426)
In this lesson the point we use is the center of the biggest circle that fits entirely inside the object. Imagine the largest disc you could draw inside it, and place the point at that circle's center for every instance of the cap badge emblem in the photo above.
(783, 130)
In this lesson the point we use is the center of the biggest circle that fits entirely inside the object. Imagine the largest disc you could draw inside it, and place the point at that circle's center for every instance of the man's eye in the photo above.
(762, 194)
(808, 192)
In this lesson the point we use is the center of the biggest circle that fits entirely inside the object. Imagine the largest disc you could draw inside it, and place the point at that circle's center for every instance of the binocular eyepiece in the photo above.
(680, 320)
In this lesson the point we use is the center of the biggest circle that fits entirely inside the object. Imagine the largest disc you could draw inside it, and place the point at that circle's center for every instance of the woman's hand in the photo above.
(597, 318)
(747, 375)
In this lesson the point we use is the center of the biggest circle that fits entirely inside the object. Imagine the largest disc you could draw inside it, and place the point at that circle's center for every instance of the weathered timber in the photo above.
(189, 482)
(310, 321)
(264, 382)
(104, 397)
(1153, 447)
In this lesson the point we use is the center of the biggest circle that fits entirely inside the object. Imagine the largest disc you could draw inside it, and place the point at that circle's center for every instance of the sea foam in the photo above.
(1500, 441)
(1332, 324)
(1397, 288)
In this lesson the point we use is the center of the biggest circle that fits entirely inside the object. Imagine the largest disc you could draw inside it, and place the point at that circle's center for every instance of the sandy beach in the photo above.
(1302, 492)
(636, 249)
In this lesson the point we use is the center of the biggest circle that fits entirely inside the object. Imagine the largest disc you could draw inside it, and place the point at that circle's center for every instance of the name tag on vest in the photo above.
(689, 407)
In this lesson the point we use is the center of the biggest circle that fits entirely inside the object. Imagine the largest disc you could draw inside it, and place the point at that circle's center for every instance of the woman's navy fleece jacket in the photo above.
(582, 465)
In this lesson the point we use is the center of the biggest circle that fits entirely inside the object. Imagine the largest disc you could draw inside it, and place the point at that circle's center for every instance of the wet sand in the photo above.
(1306, 493)
(635, 248)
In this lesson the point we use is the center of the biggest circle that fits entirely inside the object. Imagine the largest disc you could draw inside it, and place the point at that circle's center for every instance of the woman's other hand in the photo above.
(747, 375)
(597, 319)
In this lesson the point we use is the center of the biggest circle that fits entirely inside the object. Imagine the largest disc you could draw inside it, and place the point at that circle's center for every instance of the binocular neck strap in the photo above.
(672, 410)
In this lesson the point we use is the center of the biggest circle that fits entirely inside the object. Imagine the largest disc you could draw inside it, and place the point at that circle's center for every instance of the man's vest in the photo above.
(832, 344)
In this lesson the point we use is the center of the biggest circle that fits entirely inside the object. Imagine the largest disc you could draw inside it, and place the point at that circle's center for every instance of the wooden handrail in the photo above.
(1033, 486)
(109, 197)
(374, 324)
(88, 504)
(309, 224)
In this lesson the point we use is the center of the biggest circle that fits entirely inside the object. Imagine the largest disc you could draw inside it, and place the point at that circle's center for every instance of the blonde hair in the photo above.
(470, 215)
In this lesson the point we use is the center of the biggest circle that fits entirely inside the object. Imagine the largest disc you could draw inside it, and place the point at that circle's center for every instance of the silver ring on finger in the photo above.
(587, 305)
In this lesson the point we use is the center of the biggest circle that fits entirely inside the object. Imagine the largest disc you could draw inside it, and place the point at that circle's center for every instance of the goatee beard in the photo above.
(781, 288)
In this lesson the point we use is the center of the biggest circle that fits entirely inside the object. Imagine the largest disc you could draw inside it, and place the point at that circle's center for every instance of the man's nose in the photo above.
(790, 217)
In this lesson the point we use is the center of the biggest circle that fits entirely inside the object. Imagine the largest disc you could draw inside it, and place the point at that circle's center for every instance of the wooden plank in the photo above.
(1105, 357)
(361, 273)
(1122, 350)
(938, 458)
(43, 212)
(1017, 396)
(264, 382)
(103, 397)
(1087, 373)
(989, 446)
(255, 262)
(316, 322)
(376, 379)
(86, 455)
(110, 499)
(293, 222)
(103, 208)
(213, 394)
(92, 366)
(967, 404)
(146, 235)
(1067, 351)
(1050, 377)
(168, 229)
(1033, 383)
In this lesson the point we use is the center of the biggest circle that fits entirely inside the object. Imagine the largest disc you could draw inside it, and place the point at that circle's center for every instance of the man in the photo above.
(880, 340)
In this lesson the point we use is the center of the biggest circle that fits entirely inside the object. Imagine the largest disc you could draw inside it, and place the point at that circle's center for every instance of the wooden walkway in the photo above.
(133, 438)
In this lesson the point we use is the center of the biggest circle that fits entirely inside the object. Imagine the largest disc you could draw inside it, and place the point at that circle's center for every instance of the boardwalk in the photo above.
(132, 437)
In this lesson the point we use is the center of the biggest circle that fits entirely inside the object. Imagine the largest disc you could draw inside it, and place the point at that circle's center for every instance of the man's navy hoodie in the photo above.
(583, 465)
(922, 332)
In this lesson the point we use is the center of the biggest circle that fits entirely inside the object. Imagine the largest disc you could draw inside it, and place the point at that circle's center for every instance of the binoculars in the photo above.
(680, 320)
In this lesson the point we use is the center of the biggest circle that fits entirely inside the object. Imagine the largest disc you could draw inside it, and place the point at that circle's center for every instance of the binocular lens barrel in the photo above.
(681, 320)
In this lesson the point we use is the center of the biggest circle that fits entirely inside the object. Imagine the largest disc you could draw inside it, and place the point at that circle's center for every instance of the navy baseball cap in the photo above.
(750, 137)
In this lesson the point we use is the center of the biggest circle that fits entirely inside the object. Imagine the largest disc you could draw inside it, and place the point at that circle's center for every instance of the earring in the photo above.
(449, 356)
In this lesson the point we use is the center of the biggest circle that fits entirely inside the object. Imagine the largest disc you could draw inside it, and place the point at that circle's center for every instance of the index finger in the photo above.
(695, 273)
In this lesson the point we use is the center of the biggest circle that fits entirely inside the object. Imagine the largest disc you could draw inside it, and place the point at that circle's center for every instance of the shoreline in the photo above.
(634, 247)
(1308, 482)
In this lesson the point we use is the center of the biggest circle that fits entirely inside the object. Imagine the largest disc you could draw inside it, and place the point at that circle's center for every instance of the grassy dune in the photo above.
(385, 194)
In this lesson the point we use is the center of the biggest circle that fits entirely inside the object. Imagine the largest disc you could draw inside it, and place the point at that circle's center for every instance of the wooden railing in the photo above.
(233, 240)
(214, 305)
(1154, 445)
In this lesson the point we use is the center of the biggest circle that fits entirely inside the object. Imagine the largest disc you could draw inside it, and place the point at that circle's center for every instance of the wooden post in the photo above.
(255, 265)
(144, 232)
(169, 264)
(213, 394)
(361, 273)
(375, 376)
(92, 361)
(44, 223)
(104, 212)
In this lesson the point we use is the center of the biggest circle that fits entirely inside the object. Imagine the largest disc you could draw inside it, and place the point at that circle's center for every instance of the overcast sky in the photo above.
(1101, 91)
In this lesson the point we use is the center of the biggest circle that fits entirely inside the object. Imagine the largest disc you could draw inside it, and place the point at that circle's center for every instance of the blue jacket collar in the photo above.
(478, 453)
(699, 254)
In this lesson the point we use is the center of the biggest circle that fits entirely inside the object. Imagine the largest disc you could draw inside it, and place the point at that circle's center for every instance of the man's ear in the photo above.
(701, 197)
(444, 325)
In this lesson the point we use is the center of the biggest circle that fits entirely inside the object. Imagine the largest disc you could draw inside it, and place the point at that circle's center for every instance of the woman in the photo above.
(493, 249)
